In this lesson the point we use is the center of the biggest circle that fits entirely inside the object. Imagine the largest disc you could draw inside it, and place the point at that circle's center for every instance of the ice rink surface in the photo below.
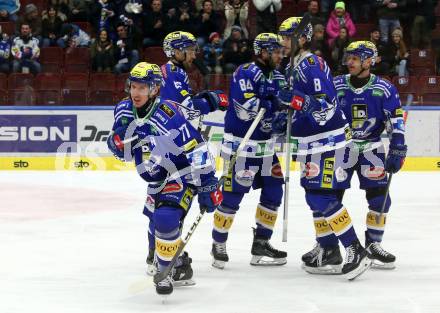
(76, 242)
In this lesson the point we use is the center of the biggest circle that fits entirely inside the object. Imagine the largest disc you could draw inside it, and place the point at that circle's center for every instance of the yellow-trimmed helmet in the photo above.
(364, 49)
(268, 41)
(178, 40)
(289, 25)
(146, 73)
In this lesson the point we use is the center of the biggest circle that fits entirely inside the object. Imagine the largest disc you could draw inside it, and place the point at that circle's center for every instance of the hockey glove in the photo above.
(279, 123)
(116, 143)
(210, 196)
(297, 100)
(216, 99)
(396, 158)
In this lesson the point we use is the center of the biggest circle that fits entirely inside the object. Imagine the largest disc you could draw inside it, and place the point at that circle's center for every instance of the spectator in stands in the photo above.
(236, 50)
(382, 64)
(186, 18)
(236, 12)
(360, 10)
(9, 10)
(5, 52)
(78, 11)
(72, 36)
(25, 51)
(207, 22)
(337, 50)
(102, 15)
(218, 5)
(267, 15)
(423, 22)
(62, 7)
(398, 50)
(213, 53)
(318, 45)
(52, 24)
(339, 19)
(154, 25)
(32, 18)
(388, 15)
(315, 15)
(326, 6)
(102, 53)
(126, 54)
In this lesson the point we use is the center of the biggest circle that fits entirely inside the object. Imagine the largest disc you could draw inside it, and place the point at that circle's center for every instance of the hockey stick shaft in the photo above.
(293, 48)
(287, 175)
(161, 275)
(409, 101)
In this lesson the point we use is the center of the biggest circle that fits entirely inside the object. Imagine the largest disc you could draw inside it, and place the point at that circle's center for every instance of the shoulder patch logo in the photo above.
(311, 60)
(167, 110)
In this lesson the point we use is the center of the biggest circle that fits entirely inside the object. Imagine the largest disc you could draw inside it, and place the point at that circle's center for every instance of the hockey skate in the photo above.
(323, 260)
(264, 254)
(183, 273)
(151, 263)
(165, 286)
(307, 257)
(219, 254)
(381, 258)
(356, 261)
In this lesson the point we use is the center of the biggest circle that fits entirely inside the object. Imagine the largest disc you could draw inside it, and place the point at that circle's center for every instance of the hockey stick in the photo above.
(293, 47)
(409, 101)
(162, 275)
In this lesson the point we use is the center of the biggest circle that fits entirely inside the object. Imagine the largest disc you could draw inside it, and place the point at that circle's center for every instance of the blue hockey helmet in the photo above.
(289, 25)
(178, 40)
(268, 41)
(363, 49)
(146, 73)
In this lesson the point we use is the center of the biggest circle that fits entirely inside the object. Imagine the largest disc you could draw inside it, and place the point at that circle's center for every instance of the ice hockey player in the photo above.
(171, 155)
(253, 86)
(180, 47)
(370, 104)
(321, 135)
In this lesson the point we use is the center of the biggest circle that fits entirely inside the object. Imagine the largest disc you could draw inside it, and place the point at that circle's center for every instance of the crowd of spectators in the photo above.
(122, 28)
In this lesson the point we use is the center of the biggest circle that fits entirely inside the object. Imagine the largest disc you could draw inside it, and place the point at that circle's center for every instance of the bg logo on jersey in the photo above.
(36, 133)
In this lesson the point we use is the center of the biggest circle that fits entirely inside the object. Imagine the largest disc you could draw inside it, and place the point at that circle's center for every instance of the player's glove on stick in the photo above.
(216, 99)
(297, 100)
(116, 142)
(279, 123)
(396, 158)
(210, 196)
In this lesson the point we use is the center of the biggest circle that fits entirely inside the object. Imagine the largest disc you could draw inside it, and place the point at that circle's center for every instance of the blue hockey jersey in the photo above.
(323, 130)
(168, 147)
(176, 88)
(371, 109)
(250, 90)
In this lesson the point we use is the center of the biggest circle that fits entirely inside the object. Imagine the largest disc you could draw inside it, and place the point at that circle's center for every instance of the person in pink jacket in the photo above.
(339, 18)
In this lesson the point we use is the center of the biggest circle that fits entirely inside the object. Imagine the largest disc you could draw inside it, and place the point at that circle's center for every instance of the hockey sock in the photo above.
(340, 222)
(265, 217)
(165, 250)
(223, 219)
(324, 233)
(375, 230)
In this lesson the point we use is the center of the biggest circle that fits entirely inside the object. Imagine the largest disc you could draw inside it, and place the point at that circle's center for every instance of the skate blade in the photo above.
(323, 270)
(218, 264)
(378, 265)
(184, 283)
(259, 260)
(363, 266)
(151, 270)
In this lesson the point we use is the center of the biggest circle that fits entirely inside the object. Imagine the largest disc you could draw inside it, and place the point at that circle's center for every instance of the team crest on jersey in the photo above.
(167, 110)
(311, 60)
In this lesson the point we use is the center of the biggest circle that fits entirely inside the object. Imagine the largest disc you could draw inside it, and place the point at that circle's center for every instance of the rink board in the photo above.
(74, 138)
